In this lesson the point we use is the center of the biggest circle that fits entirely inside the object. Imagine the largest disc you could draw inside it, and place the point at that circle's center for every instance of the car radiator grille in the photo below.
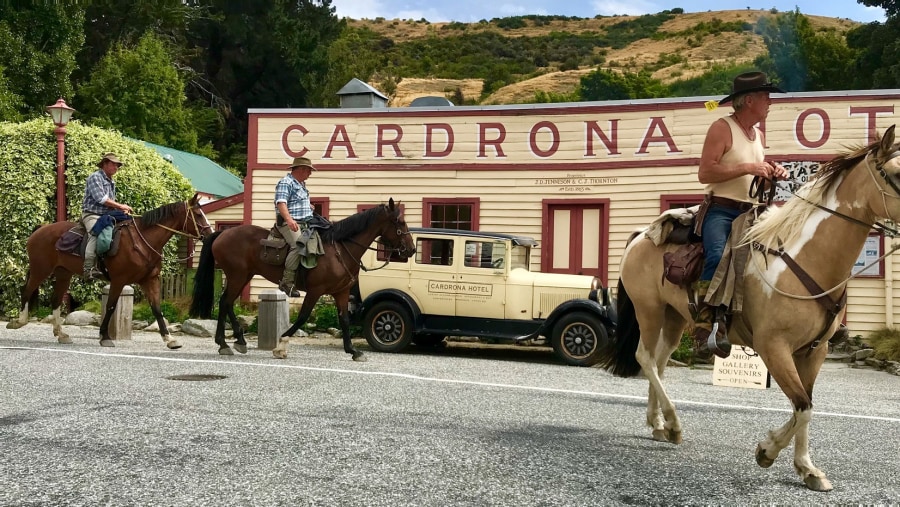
(551, 301)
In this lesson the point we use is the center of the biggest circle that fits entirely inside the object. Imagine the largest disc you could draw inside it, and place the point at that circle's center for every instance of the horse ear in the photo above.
(194, 200)
(391, 203)
(887, 141)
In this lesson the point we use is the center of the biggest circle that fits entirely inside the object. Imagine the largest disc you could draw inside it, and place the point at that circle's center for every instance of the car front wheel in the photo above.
(578, 337)
(388, 327)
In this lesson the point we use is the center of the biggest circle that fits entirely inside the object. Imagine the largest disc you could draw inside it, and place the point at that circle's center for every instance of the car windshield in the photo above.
(520, 257)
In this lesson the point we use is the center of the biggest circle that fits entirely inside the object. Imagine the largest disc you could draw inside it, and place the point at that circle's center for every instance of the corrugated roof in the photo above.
(355, 87)
(205, 175)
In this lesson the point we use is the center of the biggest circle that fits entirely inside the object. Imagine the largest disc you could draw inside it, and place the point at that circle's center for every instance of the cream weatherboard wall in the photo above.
(518, 162)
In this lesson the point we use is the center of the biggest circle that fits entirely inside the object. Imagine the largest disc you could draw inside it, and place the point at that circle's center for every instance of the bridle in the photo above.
(387, 248)
(189, 212)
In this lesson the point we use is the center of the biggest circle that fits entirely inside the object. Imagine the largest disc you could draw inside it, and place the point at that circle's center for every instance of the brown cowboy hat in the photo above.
(750, 82)
(300, 162)
(112, 158)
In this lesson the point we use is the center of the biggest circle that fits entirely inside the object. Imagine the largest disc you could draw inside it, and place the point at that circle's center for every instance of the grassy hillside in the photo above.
(508, 60)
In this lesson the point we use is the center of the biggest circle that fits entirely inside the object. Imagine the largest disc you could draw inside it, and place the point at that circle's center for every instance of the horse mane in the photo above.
(787, 221)
(353, 225)
(161, 213)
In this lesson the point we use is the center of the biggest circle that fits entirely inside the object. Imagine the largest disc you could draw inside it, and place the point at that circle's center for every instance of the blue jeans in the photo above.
(716, 228)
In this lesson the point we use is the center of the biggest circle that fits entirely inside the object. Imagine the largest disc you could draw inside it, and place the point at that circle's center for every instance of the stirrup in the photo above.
(289, 290)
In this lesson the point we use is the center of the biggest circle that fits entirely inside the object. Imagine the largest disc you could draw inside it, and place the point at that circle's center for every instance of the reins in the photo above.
(187, 210)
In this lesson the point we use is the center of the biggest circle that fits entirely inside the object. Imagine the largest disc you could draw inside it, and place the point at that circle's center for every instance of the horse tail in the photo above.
(618, 357)
(204, 281)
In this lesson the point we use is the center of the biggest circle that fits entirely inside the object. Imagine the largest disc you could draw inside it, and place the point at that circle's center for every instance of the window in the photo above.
(672, 201)
(451, 213)
(485, 254)
(434, 251)
(319, 205)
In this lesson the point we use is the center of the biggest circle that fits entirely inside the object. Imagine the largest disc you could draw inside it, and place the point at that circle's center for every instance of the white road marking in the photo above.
(447, 381)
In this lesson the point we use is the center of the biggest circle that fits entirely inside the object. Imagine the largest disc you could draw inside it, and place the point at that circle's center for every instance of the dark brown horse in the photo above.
(237, 250)
(137, 260)
(823, 230)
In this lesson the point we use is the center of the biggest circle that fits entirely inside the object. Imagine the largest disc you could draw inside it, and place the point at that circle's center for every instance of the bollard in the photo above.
(120, 323)
(273, 318)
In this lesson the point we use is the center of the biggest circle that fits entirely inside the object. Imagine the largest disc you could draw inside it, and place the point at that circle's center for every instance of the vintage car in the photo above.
(479, 284)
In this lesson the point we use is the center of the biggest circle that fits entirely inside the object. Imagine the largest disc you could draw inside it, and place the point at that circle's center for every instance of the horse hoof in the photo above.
(14, 324)
(107, 343)
(225, 351)
(64, 339)
(661, 435)
(279, 354)
(241, 347)
(173, 344)
(675, 437)
(360, 357)
(817, 483)
(761, 458)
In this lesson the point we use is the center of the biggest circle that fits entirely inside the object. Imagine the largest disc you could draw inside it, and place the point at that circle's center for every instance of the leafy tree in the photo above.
(891, 7)
(28, 175)
(265, 54)
(139, 92)
(605, 84)
(38, 43)
(878, 62)
(352, 55)
(10, 103)
(802, 59)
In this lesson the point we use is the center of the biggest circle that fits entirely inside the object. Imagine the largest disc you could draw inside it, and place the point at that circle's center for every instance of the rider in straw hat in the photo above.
(733, 154)
(99, 198)
(294, 210)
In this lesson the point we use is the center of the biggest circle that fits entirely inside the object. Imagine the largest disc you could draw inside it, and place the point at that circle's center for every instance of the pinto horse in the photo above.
(819, 232)
(237, 252)
(137, 260)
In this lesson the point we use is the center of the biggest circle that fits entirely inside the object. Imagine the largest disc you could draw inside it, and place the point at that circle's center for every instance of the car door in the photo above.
(433, 274)
(481, 278)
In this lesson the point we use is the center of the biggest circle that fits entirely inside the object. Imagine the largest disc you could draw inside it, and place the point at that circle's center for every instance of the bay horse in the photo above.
(237, 252)
(822, 229)
(137, 260)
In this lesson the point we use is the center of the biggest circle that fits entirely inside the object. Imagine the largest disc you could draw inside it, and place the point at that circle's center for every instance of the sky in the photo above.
(470, 11)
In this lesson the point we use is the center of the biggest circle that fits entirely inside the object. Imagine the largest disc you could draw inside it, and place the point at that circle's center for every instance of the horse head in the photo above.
(395, 234)
(197, 219)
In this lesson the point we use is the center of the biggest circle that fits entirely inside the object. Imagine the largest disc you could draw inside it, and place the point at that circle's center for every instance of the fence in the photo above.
(174, 285)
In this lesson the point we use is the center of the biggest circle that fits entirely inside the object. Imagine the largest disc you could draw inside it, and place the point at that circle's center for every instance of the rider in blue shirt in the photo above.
(99, 198)
(294, 210)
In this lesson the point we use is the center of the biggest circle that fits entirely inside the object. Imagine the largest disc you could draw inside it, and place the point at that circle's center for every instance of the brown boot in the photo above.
(705, 324)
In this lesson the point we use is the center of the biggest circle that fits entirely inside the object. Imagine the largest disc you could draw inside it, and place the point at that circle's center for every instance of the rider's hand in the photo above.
(293, 224)
(778, 172)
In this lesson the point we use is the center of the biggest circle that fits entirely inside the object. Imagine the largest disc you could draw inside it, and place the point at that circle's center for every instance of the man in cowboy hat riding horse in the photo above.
(294, 211)
(99, 198)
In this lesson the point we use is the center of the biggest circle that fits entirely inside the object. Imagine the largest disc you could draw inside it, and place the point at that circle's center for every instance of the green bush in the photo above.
(886, 343)
(685, 351)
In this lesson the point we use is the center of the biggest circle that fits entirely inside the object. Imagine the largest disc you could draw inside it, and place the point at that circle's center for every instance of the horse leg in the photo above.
(309, 301)
(657, 329)
(32, 282)
(226, 309)
(151, 288)
(60, 287)
(341, 301)
(115, 289)
(239, 343)
(783, 367)
(808, 368)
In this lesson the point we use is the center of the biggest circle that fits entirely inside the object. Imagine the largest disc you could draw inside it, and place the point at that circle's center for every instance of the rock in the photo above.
(139, 324)
(154, 326)
(892, 367)
(862, 355)
(246, 321)
(197, 327)
(874, 363)
(333, 331)
(81, 318)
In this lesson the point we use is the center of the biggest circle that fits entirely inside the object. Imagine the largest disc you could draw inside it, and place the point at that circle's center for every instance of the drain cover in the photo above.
(197, 377)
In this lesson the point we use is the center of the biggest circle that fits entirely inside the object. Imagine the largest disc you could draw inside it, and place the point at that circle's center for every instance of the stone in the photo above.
(874, 363)
(198, 327)
(80, 318)
(139, 324)
(863, 354)
(154, 326)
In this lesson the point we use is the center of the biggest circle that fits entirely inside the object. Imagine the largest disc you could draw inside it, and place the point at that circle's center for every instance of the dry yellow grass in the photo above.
(724, 48)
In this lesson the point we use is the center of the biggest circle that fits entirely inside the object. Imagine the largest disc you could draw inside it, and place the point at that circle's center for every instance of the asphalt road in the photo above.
(83, 425)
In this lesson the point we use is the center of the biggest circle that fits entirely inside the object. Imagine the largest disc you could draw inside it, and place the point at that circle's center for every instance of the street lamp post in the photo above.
(61, 114)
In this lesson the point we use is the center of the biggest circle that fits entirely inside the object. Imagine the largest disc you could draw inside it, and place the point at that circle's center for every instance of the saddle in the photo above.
(74, 241)
(274, 248)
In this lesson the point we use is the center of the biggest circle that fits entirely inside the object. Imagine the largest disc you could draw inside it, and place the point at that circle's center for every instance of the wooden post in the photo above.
(273, 318)
(120, 324)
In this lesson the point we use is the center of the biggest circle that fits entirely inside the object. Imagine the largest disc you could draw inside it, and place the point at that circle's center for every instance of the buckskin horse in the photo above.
(819, 232)
(137, 260)
(237, 252)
